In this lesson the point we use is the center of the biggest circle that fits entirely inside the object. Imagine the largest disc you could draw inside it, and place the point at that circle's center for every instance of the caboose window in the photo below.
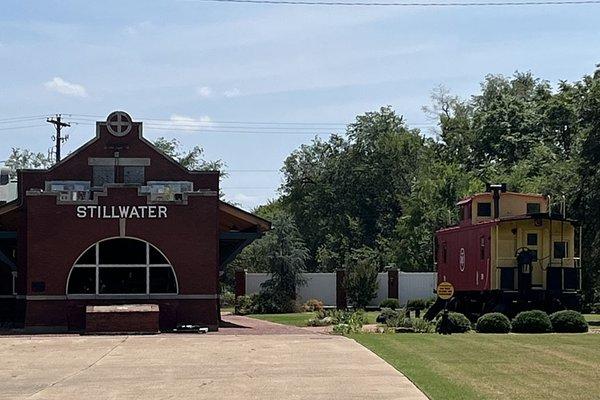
(533, 208)
(532, 239)
(484, 209)
(482, 248)
(561, 250)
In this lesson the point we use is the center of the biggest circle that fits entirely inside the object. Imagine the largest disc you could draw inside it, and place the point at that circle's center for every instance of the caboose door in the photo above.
(533, 243)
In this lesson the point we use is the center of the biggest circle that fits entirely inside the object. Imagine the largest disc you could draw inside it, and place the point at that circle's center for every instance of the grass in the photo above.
(300, 319)
(477, 366)
(592, 319)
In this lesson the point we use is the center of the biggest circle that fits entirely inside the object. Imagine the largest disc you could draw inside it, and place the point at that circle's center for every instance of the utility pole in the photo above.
(59, 140)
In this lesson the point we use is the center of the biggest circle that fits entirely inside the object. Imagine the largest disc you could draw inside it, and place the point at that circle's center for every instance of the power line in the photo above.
(408, 4)
(211, 130)
(23, 118)
(93, 118)
(171, 121)
(20, 127)
(211, 125)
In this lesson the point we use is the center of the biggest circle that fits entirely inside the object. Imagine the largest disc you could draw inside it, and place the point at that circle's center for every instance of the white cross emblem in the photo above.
(118, 123)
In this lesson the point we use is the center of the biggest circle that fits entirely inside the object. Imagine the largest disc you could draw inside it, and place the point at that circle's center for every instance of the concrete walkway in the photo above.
(292, 365)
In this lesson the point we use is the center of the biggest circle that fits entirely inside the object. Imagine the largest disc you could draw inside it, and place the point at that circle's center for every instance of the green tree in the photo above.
(347, 192)
(362, 266)
(23, 159)
(286, 257)
(190, 159)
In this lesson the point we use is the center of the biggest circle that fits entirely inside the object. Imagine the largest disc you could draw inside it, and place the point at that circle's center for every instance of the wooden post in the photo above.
(393, 284)
(240, 283)
(340, 289)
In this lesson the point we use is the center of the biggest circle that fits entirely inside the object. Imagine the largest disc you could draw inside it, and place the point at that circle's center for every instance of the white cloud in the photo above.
(204, 91)
(59, 85)
(235, 92)
(191, 124)
(136, 28)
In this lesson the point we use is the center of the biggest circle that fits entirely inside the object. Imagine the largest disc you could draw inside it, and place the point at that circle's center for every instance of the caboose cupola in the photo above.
(509, 250)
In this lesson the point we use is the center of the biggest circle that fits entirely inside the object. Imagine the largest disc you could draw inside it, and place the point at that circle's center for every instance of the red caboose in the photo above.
(508, 253)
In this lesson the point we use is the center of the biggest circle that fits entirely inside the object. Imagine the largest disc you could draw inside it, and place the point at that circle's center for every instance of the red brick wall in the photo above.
(188, 237)
(51, 236)
(121, 322)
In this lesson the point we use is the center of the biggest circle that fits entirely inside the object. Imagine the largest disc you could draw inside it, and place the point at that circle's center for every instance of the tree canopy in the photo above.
(385, 188)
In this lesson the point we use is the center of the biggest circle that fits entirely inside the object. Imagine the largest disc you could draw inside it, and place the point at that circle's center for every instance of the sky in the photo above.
(250, 83)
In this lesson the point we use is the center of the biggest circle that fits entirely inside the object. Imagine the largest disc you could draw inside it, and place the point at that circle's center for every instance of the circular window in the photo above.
(119, 123)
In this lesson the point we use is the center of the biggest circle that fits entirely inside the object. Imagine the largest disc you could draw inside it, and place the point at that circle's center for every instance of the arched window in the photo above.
(122, 266)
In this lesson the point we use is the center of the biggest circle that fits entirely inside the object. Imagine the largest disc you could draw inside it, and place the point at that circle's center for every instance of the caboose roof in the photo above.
(468, 199)
(523, 217)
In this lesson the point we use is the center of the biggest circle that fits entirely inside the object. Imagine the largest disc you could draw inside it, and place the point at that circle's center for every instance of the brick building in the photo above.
(117, 222)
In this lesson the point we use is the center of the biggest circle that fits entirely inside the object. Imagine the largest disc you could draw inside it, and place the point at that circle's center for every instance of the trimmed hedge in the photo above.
(394, 304)
(493, 323)
(457, 323)
(568, 321)
(386, 315)
(534, 321)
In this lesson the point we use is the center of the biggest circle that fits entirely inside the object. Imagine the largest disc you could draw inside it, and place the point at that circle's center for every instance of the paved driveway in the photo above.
(293, 365)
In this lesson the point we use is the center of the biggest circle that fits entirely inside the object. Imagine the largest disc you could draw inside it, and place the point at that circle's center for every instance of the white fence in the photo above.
(322, 286)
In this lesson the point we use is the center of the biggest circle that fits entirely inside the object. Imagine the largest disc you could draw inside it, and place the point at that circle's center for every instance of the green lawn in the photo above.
(592, 319)
(300, 319)
(476, 366)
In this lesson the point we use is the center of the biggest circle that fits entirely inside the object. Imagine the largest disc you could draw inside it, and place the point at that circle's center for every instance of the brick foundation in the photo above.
(132, 318)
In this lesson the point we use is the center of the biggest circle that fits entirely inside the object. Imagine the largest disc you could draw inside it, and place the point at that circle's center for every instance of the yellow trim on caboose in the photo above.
(508, 236)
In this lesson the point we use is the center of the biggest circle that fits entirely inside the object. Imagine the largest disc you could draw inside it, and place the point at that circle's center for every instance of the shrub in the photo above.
(493, 323)
(394, 304)
(404, 322)
(387, 314)
(245, 305)
(358, 317)
(457, 323)
(361, 276)
(416, 304)
(335, 317)
(353, 324)
(422, 326)
(568, 321)
(342, 329)
(312, 305)
(535, 321)
(227, 299)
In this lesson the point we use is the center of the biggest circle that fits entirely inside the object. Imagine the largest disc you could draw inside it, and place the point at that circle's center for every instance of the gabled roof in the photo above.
(232, 218)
